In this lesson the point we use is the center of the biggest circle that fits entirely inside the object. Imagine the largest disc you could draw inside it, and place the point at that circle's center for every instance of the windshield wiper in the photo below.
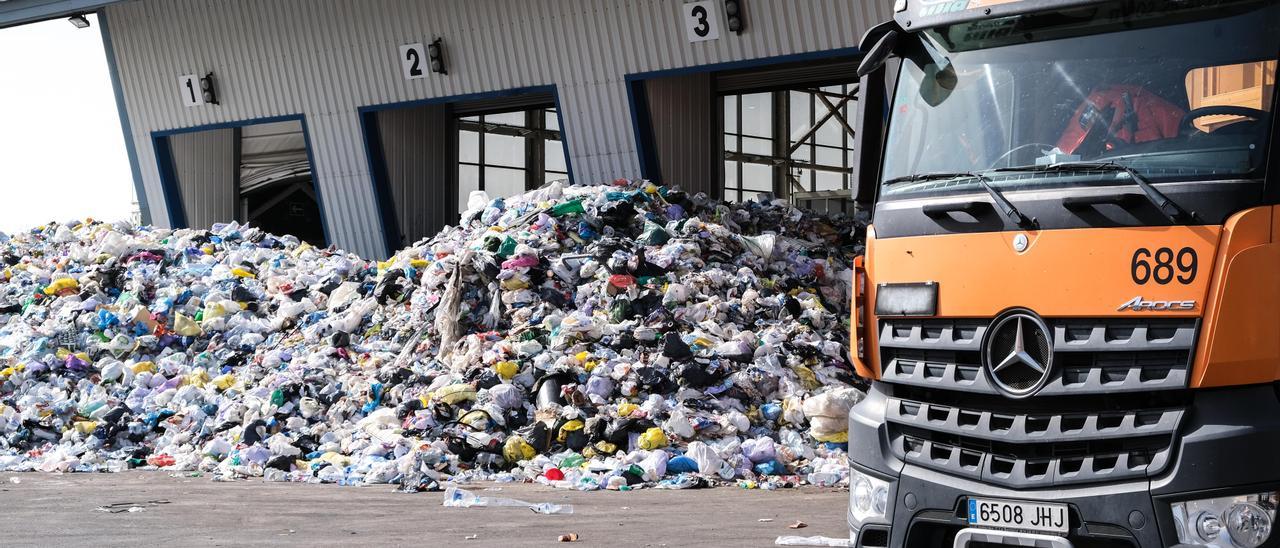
(1003, 204)
(1168, 207)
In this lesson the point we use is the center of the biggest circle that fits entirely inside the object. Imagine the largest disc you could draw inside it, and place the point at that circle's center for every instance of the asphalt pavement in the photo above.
(157, 509)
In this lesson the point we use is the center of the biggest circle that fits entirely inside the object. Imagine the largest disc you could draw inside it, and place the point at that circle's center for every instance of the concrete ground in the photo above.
(62, 510)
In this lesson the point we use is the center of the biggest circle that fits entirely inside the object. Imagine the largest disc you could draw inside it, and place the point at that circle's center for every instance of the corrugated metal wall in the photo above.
(326, 58)
(206, 167)
(417, 148)
(684, 132)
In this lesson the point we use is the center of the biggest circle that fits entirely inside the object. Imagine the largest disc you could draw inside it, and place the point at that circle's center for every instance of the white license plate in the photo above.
(1047, 517)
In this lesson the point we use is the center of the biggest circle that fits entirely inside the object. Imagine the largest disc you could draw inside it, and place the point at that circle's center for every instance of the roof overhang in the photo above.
(18, 12)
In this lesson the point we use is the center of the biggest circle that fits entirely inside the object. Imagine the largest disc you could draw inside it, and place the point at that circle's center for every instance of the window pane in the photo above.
(831, 133)
(731, 143)
(553, 176)
(827, 180)
(806, 179)
(503, 150)
(757, 196)
(731, 114)
(551, 120)
(803, 153)
(468, 180)
(468, 146)
(471, 118)
(751, 145)
(833, 157)
(553, 156)
(757, 177)
(731, 174)
(503, 182)
(506, 118)
(801, 118)
(757, 114)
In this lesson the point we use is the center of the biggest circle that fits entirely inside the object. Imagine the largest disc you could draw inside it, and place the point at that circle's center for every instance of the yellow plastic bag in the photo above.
(86, 427)
(837, 437)
(224, 381)
(569, 428)
(516, 450)
(242, 273)
(653, 438)
(185, 326)
(807, 377)
(506, 369)
(456, 393)
(625, 409)
(61, 284)
(139, 367)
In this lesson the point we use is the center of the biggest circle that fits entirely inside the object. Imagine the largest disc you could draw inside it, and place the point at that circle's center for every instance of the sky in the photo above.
(62, 154)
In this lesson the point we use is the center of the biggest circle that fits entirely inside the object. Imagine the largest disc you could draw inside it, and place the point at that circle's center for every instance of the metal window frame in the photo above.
(781, 162)
(534, 134)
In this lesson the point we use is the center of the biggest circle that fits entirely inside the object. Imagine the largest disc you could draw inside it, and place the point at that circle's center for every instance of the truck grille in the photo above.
(1110, 410)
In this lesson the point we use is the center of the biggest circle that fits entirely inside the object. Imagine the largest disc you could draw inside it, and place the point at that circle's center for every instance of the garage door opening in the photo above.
(256, 173)
(775, 130)
(428, 156)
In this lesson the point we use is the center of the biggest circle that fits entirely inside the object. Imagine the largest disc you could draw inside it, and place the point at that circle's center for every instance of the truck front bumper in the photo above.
(1229, 445)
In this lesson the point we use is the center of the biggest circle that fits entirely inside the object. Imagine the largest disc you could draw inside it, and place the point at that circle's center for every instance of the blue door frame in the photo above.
(169, 177)
(642, 123)
(374, 153)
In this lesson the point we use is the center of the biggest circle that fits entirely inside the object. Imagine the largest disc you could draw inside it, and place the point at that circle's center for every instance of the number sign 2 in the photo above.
(413, 60)
(189, 88)
(701, 21)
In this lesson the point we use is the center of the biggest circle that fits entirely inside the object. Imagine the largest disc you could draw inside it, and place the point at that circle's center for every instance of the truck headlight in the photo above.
(1242, 521)
(868, 497)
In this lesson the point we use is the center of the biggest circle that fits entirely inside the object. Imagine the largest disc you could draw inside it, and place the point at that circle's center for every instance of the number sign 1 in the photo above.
(701, 21)
(413, 60)
(189, 88)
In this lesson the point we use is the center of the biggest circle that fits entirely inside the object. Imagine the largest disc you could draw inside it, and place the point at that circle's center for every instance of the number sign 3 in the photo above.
(413, 61)
(701, 21)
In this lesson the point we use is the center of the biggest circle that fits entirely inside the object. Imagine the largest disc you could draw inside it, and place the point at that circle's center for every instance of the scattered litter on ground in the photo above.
(130, 507)
(617, 336)
(811, 541)
(571, 537)
(765, 520)
(798, 525)
(471, 537)
(461, 498)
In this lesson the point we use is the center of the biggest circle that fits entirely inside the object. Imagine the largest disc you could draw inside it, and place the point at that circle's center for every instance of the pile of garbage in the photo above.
(588, 337)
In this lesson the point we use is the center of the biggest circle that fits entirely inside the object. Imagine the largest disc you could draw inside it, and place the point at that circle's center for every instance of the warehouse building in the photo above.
(366, 124)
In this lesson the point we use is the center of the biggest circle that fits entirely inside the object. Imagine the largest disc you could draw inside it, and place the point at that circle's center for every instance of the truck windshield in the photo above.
(1186, 96)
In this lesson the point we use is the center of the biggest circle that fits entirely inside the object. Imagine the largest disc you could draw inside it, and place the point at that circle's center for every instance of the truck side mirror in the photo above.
(868, 138)
(878, 54)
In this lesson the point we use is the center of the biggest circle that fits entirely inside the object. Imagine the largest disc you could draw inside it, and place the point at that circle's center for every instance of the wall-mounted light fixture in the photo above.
(733, 11)
(435, 54)
(79, 20)
(208, 89)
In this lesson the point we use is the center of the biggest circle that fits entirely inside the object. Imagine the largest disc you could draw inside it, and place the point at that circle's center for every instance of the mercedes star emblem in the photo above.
(1018, 353)
(1020, 243)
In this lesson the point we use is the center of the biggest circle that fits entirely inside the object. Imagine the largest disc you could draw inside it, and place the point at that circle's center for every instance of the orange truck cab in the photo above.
(1069, 304)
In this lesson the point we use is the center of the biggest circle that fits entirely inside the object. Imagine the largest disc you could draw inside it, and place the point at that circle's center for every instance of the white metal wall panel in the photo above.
(326, 58)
